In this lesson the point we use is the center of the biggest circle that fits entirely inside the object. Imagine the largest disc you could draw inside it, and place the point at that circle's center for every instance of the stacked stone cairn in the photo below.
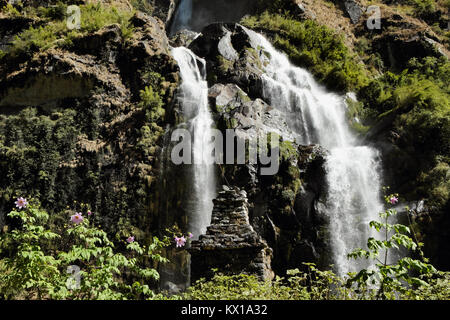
(230, 244)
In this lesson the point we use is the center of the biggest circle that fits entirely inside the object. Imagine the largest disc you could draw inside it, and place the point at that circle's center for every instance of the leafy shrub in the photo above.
(417, 103)
(152, 103)
(10, 10)
(39, 38)
(387, 280)
(55, 12)
(96, 16)
(35, 258)
(311, 285)
(35, 255)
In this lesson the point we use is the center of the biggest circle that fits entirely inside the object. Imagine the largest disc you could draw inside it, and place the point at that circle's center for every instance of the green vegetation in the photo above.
(10, 10)
(152, 103)
(315, 284)
(58, 154)
(388, 280)
(311, 285)
(39, 260)
(416, 103)
(32, 147)
(64, 152)
(422, 7)
(55, 155)
(314, 47)
(224, 64)
(406, 279)
(52, 30)
(38, 255)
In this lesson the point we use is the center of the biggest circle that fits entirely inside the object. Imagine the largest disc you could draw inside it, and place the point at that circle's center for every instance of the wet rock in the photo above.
(249, 118)
(230, 244)
(231, 56)
(183, 38)
(226, 48)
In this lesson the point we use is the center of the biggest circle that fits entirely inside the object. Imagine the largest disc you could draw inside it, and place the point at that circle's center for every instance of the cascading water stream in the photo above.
(194, 102)
(319, 117)
(182, 16)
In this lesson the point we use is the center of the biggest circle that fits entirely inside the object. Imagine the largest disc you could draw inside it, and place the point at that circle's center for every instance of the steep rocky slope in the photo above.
(76, 126)
(87, 116)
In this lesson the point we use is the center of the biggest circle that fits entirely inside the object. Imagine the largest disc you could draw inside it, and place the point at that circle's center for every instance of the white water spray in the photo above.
(194, 101)
(319, 117)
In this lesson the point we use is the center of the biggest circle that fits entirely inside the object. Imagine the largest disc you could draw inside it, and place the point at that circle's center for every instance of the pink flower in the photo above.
(180, 241)
(21, 203)
(130, 239)
(89, 213)
(393, 200)
(190, 235)
(77, 218)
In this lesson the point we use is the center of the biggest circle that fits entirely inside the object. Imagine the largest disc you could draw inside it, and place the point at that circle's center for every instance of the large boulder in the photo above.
(231, 57)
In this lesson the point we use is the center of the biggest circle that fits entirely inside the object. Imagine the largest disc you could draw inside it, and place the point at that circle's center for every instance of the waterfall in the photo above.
(182, 16)
(194, 102)
(319, 117)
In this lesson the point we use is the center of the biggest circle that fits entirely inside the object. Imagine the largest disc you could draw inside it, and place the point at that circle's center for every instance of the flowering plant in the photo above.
(39, 261)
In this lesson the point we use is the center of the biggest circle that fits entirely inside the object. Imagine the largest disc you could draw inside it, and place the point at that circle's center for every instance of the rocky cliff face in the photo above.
(75, 125)
(86, 107)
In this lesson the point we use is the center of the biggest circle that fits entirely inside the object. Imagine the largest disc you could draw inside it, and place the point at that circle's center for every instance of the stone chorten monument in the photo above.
(230, 244)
